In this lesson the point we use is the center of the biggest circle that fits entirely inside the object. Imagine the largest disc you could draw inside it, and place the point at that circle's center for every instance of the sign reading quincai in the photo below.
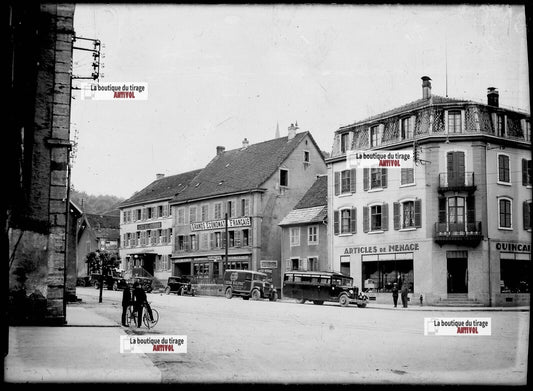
(218, 224)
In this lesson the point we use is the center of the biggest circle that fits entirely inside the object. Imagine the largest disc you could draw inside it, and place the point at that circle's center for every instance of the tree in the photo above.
(102, 263)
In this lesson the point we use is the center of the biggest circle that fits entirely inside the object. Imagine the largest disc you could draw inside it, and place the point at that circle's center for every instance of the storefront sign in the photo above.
(141, 227)
(221, 224)
(390, 248)
(513, 247)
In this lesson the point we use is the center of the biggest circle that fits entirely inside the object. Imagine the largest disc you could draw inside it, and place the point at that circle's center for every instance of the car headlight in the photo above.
(351, 291)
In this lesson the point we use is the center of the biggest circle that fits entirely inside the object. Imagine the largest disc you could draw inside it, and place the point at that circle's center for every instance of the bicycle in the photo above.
(132, 316)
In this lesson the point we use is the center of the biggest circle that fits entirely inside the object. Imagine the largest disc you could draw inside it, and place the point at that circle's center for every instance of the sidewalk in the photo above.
(86, 350)
(417, 307)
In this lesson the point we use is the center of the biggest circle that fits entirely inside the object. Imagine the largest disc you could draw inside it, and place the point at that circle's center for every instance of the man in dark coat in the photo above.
(139, 301)
(405, 291)
(126, 302)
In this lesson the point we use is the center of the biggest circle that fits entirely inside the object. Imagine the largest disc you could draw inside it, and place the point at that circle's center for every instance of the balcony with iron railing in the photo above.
(458, 233)
(456, 181)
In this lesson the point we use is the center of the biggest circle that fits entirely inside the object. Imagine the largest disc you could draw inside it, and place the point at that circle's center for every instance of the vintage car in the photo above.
(180, 285)
(146, 283)
(114, 280)
(319, 287)
(248, 284)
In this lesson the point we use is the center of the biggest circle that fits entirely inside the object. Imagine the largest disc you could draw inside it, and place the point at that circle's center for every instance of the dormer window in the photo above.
(375, 136)
(454, 121)
(406, 130)
(500, 125)
(344, 142)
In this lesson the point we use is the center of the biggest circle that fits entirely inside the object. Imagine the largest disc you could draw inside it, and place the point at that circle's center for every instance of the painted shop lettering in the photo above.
(513, 247)
(392, 248)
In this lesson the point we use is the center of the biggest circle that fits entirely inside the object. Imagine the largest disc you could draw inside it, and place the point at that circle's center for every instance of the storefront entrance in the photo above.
(457, 275)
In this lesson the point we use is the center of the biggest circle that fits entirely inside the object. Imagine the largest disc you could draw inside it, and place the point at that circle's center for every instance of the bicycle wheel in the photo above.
(146, 318)
(132, 316)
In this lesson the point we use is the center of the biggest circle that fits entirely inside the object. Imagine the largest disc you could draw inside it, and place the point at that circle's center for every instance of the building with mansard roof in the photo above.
(304, 241)
(456, 226)
(255, 186)
(146, 225)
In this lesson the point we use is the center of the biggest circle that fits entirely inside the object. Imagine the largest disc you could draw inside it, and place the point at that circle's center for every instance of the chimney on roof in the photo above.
(493, 97)
(159, 176)
(426, 87)
(292, 131)
(245, 143)
(220, 149)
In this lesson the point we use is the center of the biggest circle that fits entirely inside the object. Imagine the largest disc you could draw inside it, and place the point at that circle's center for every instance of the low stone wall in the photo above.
(209, 289)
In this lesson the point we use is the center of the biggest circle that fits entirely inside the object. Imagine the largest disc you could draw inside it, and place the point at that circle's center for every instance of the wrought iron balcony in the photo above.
(458, 233)
(456, 181)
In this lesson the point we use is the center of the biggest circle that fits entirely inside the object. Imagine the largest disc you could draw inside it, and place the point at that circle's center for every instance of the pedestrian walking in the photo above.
(126, 302)
(404, 293)
(395, 294)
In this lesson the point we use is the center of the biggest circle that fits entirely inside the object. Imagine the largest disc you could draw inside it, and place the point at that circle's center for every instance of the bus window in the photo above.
(288, 277)
(314, 280)
(324, 280)
(336, 281)
(306, 278)
(297, 278)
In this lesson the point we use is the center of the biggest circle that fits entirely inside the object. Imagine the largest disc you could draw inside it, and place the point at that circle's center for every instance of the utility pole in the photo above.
(226, 246)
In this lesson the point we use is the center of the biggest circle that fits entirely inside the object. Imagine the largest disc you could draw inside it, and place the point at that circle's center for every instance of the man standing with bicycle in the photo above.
(139, 301)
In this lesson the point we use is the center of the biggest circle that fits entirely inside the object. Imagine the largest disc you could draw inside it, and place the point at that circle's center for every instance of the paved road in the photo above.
(285, 342)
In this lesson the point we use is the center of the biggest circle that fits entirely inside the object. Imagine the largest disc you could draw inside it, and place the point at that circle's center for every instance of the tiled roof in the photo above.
(417, 104)
(240, 169)
(317, 195)
(166, 187)
(103, 221)
(104, 226)
(305, 216)
(313, 205)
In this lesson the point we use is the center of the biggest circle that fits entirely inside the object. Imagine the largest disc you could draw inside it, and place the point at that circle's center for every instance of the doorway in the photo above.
(458, 275)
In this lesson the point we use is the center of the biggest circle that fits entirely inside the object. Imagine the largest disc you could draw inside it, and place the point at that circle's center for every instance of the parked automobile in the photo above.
(180, 285)
(114, 280)
(319, 287)
(248, 284)
(146, 283)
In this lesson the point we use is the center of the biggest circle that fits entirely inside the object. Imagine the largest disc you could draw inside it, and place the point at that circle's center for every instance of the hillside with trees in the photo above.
(95, 204)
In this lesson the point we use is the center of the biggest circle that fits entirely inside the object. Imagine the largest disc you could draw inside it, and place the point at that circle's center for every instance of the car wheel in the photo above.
(343, 300)
(167, 290)
(301, 301)
(181, 290)
(318, 302)
(229, 293)
(256, 294)
(115, 286)
(274, 296)
(96, 285)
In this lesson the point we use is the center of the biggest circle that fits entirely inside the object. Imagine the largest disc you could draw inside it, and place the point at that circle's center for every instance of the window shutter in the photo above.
(524, 172)
(418, 213)
(442, 209)
(337, 183)
(211, 240)
(224, 239)
(145, 213)
(365, 178)
(412, 124)
(396, 212)
(352, 180)
(526, 210)
(385, 217)
(237, 238)
(336, 222)
(470, 209)
(365, 219)
(250, 236)
(353, 220)
(383, 177)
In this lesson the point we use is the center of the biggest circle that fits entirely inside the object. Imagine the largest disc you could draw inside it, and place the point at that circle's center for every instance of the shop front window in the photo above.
(380, 275)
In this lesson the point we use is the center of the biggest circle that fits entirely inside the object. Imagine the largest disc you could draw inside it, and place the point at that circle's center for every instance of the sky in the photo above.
(217, 74)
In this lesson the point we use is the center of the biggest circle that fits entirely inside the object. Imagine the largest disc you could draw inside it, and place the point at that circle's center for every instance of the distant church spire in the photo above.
(277, 130)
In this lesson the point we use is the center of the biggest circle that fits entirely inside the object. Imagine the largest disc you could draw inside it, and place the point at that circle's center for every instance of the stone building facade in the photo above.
(456, 227)
(38, 141)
